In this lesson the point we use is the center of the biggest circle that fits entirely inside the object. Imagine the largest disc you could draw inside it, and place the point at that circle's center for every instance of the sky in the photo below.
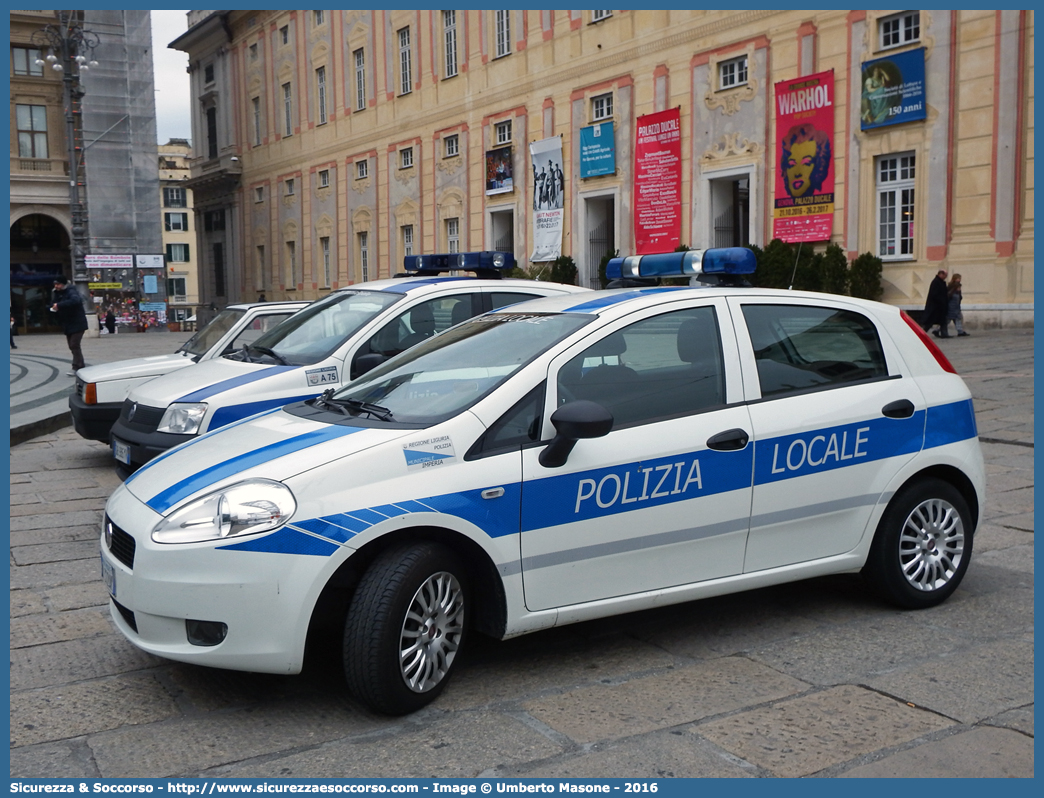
(172, 81)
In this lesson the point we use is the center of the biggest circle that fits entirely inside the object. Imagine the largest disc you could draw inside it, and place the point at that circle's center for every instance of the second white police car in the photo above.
(333, 340)
(561, 460)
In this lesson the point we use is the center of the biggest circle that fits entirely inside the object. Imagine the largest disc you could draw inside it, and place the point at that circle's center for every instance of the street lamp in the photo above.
(69, 51)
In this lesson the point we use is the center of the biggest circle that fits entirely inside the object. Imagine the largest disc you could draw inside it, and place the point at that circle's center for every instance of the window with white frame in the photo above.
(598, 16)
(324, 251)
(291, 263)
(259, 194)
(453, 235)
(602, 107)
(324, 178)
(406, 157)
(502, 25)
(451, 146)
(208, 74)
(290, 187)
(899, 29)
(449, 39)
(255, 105)
(362, 169)
(25, 61)
(288, 110)
(175, 222)
(732, 73)
(407, 239)
(320, 94)
(32, 131)
(174, 198)
(360, 79)
(405, 62)
(177, 253)
(284, 34)
(177, 288)
(364, 256)
(320, 18)
(895, 205)
(502, 132)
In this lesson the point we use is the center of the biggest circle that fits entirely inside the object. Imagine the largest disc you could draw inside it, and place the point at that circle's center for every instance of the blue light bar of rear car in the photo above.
(459, 261)
(721, 260)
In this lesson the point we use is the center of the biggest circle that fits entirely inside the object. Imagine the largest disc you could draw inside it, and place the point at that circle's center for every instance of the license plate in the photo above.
(109, 577)
(121, 451)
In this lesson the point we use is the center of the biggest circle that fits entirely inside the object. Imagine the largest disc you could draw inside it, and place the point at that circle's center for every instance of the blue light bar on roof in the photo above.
(721, 260)
(459, 261)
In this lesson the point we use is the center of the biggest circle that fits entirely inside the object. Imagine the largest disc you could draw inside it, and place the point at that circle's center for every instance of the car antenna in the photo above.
(793, 274)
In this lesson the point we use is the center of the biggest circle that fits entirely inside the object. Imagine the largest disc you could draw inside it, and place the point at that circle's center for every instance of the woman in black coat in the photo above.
(936, 305)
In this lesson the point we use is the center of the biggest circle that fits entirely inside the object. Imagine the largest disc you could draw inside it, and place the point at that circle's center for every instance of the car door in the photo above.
(833, 420)
(664, 498)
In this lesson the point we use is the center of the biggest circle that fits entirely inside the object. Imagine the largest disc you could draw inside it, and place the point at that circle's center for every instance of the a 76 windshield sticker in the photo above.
(428, 453)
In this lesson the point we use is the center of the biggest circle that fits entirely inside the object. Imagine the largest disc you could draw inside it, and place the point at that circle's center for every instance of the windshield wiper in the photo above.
(324, 400)
(345, 406)
(264, 350)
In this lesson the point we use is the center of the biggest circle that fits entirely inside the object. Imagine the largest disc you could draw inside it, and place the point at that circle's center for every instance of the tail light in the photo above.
(928, 342)
(90, 394)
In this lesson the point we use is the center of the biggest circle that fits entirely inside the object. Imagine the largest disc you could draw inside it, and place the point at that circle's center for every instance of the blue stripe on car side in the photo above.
(614, 299)
(234, 382)
(166, 499)
(286, 541)
(950, 423)
(227, 415)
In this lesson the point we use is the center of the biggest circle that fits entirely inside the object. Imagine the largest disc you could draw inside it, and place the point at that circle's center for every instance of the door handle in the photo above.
(492, 493)
(731, 440)
(901, 408)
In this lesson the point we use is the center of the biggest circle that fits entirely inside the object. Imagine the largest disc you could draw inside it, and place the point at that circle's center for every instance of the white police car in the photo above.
(101, 390)
(564, 459)
(335, 339)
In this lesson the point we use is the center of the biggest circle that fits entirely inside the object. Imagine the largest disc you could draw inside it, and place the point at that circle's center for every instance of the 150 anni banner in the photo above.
(804, 194)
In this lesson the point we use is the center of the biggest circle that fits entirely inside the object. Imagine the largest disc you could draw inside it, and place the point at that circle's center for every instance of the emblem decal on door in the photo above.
(428, 453)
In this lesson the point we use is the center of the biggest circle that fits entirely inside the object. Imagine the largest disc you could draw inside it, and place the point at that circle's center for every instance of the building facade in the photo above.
(113, 124)
(179, 230)
(332, 143)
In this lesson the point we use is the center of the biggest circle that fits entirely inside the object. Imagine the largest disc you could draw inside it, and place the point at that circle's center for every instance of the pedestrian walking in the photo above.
(13, 345)
(953, 308)
(936, 305)
(110, 321)
(67, 305)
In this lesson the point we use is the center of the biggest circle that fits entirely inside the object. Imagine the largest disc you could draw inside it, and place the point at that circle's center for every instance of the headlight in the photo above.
(182, 419)
(246, 508)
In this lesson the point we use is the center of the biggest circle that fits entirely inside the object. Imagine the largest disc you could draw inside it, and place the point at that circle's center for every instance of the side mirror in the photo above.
(365, 363)
(573, 421)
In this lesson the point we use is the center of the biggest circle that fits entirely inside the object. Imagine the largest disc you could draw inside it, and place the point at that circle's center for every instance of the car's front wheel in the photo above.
(405, 628)
(923, 545)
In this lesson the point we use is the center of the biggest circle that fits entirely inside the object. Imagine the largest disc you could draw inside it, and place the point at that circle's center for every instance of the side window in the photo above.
(419, 323)
(661, 367)
(799, 348)
(501, 299)
(257, 328)
(517, 427)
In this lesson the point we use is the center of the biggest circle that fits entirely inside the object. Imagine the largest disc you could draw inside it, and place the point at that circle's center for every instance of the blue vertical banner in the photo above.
(597, 150)
(893, 90)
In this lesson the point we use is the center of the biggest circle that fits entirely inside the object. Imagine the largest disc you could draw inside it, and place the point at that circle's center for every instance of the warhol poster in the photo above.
(499, 177)
(548, 198)
(892, 90)
(804, 193)
(657, 183)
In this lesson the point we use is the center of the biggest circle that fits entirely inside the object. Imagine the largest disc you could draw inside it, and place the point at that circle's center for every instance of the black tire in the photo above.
(922, 547)
(424, 577)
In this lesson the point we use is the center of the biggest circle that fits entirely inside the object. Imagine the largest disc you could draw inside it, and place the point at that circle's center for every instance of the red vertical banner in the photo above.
(657, 183)
(804, 194)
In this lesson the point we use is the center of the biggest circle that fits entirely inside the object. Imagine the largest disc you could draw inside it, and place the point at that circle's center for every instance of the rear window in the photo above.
(801, 348)
(204, 340)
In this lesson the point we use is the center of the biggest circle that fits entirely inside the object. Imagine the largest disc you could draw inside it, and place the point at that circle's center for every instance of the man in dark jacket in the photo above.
(72, 318)
(935, 306)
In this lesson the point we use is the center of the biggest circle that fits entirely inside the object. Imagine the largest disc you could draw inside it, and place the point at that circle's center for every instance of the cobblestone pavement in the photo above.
(805, 680)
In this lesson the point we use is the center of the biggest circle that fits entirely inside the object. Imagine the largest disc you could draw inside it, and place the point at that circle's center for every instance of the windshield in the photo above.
(449, 373)
(313, 334)
(203, 341)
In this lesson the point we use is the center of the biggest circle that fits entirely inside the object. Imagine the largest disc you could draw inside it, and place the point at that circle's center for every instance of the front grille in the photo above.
(128, 615)
(79, 387)
(121, 544)
(145, 418)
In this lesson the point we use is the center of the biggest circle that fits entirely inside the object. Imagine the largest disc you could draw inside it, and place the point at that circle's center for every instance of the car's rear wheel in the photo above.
(923, 545)
(405, 628)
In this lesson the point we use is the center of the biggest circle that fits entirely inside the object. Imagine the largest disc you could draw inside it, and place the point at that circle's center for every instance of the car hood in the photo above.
(273, 445)
(135, 368)
(202, 381)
